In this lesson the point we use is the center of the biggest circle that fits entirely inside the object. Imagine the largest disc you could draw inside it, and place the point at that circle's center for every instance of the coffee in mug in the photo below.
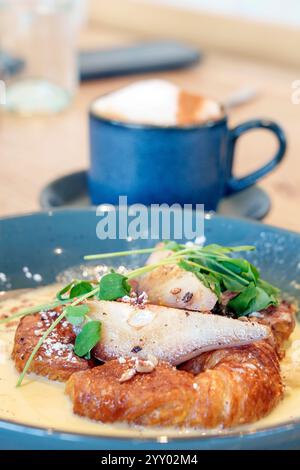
(157, 143)
(157, 103)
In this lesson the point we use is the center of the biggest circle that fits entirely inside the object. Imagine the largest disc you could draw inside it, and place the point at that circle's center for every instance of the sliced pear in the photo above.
(169, 334)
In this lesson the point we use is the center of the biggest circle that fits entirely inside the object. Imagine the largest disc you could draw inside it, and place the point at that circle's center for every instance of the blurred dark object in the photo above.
(139, 58)
(10, 65)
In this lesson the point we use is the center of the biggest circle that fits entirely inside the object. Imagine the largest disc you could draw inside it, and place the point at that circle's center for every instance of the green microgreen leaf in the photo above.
(273, 291)
(255, 272)
(74, 289)
(81, 288)
(76, 314)
(232, 285)
(242, 267)
(88, 338)
(61, 295)
(261, 301)
(241, 302)
(237, 265)
(219, 249)
(218, 268)
(192, 267)
(113, 286)
(251, 299)
(214, 284)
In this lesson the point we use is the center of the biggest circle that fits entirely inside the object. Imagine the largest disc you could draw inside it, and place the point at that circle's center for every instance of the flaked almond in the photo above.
(127, 375)
(145, 366)
(153, 359)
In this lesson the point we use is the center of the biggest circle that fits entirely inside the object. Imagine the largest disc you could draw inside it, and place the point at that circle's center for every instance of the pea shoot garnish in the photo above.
(87, 339)
(113, 286)
(75, 314)
(74, 289)
(217, 269)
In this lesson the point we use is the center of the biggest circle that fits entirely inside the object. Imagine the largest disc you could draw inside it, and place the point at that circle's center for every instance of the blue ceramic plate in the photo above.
(33, 240)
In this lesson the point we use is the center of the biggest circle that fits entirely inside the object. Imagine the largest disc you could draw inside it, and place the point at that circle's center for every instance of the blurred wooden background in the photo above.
(36, 150)
(207, 29)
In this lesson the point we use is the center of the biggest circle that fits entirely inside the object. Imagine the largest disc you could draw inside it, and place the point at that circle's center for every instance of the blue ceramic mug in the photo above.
(180, 164)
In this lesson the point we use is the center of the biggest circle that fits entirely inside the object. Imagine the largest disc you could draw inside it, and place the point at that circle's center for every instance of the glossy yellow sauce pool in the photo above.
(43, 403)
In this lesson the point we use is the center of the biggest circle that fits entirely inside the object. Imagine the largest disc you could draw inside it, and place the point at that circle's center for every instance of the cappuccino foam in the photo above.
(157, 102)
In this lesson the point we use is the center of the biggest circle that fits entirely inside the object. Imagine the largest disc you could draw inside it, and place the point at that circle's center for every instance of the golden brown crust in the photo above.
(282, 321)
(162, 397)
(243, 384)
(233, 386)
(55, 358)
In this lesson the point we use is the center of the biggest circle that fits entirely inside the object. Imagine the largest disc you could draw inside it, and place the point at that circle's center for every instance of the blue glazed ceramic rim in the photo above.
(8, 425)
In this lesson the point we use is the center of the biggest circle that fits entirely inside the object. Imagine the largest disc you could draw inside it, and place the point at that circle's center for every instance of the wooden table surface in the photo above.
(34, 151)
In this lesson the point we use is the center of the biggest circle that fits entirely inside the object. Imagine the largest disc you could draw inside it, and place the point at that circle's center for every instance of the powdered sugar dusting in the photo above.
(58, 344)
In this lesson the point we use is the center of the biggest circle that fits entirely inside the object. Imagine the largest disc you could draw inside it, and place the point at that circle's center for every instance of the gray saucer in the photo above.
(71, 191)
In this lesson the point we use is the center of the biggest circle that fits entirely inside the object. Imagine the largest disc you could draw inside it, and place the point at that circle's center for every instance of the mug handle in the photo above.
(238, 184)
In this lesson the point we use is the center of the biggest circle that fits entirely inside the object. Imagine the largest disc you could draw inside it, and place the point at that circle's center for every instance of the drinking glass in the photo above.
(38, 69)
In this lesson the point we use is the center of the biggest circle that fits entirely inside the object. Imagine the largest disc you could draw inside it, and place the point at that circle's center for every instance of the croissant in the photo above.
(232, 386)
(225, 387)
